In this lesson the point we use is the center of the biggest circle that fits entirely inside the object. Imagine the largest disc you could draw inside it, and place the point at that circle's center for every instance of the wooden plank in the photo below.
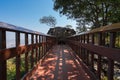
(7, 53)
(12, 52)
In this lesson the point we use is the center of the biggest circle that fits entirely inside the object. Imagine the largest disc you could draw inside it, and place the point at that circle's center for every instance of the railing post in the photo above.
(26, 54)
(45, 45)
(103, 39)
(39, 48)
(42, 47)
(18, 56)
(87, 50)
(84, 54)
(92, 54)
(36, 48)
(99, 57)
(3, 67)
(77, 46)
(32, 59)
(80, 47)
(110, 61)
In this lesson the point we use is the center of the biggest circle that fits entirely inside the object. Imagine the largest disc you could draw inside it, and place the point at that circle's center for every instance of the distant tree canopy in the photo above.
(91, 12)
(61, 32)
(68, 26)
(48, 20)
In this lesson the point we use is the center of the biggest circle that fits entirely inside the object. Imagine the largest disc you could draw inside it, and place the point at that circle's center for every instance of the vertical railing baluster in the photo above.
(87, 55)
(92, 54)
(80, 47)
(77, 47)
(84, 51)
(45, 45)
(99, 57)
(32, 58)
(26, 54)
(42, 47)
(3, 64)
(110, 61)
(18, 56)
(36, 48)
(39, 49)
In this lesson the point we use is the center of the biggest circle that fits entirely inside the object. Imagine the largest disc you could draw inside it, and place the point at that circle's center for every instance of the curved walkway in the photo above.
(60, 64)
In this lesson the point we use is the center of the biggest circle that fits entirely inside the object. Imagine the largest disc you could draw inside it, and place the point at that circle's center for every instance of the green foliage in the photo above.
(22, 66)
(96, 12)
(81, 29)
(11, 69)
(68, 26)
(48, 20)
(104, 78)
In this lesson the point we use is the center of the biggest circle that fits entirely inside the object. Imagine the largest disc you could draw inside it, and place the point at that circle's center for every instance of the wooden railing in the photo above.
(99, 49)
(36, 47)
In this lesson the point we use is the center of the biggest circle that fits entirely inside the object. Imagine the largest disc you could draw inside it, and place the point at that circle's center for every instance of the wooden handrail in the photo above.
(42, 45)
(100, 42)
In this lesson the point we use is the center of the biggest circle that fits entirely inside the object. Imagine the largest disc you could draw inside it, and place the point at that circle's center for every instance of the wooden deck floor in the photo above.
(60, 64)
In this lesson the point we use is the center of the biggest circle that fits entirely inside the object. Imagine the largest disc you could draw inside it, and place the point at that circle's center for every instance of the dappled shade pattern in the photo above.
(60, 64)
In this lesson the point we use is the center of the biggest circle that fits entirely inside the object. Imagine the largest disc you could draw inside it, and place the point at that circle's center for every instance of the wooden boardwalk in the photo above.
(60, 64)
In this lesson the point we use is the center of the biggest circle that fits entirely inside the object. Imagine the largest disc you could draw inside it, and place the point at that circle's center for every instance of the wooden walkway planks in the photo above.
(60, 64)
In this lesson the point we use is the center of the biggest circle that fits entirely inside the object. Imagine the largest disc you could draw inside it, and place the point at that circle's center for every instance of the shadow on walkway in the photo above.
(60, 64)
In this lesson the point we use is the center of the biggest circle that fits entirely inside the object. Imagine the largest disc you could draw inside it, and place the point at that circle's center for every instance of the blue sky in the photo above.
(26, 13)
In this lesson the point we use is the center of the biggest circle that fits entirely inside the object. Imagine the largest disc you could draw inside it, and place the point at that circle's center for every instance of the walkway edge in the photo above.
(27, 75)
(85, 67)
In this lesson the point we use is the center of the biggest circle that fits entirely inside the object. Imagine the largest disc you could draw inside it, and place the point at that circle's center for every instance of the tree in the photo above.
(61, 32)
(98, 13)
(68, 26)
(48, 20)
(81, 29)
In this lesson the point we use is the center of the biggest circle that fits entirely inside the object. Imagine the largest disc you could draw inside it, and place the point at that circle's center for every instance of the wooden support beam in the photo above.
(87, 54)
(39, 52)
(99, 68)
(92, 55)
(42, 47)
(18, 56)
(110, 61)
(80, 47)
(3, 66)
(26, 54)
(32, 52)
(36, 38)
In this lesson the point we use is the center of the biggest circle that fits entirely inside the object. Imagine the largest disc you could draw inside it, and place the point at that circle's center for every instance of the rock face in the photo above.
(61, 33)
